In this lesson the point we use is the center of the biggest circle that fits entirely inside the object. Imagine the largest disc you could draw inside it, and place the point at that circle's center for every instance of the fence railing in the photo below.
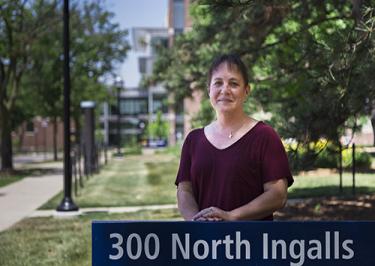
(84, 167)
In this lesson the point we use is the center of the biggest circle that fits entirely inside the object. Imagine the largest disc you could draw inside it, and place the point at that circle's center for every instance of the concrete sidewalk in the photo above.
(53, 213)
(20, 199)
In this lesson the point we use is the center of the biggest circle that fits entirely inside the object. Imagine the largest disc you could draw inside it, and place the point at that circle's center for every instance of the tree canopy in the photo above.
(311, 63)
(31, 54)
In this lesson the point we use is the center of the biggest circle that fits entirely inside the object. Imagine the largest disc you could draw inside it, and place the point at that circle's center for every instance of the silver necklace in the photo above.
(231, 132)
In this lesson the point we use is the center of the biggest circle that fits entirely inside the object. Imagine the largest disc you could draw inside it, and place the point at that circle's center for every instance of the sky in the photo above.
(136, 13)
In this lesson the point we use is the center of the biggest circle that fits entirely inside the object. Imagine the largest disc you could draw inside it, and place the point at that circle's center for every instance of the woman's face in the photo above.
(227, 89)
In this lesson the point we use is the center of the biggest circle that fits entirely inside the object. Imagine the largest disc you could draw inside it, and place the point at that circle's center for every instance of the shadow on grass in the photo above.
(43, 171)
(31, 172)
(156, 172)
(153, 179)
(364, 171)
(325, 191)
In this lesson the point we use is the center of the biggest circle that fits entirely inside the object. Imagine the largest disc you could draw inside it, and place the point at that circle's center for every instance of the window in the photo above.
(142, 64)
(160, 104)
(178, 14)
(158, 42)
(30, 127)
(133, 106)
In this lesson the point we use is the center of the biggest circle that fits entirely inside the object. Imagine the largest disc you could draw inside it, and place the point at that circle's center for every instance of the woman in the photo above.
(236, 167)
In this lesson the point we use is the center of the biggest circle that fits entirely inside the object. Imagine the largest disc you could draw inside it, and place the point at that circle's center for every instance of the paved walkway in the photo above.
(20, 199)
(49, 213)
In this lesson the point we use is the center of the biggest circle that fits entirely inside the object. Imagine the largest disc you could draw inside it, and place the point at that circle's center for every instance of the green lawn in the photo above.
(143, 180)
(328, 185)
(60, 241)
(8, 179)
(129, 181)
(133, 180)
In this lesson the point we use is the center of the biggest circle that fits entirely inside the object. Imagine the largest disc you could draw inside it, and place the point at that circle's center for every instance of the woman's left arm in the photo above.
(273, 198)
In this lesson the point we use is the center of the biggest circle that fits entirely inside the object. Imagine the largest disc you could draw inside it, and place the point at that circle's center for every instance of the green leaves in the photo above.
(159, 128)
(311, 63)
(31, 57)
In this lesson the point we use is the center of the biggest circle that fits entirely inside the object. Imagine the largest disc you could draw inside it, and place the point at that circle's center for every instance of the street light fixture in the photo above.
(67, 204)
(119, 83)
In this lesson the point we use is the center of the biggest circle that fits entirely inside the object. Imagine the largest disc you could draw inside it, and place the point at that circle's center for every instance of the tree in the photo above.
(311, 62)
(44, 80)
(31, 60)
(158, 129)
(21, 23)
(205, 115)
(97, 45)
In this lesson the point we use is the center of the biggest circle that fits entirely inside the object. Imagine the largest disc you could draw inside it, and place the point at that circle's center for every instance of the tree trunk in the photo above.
(6, 140)
(54, 137)
(77, 126)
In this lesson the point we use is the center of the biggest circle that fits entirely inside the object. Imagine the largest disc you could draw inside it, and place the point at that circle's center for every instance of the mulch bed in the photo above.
(359, 208)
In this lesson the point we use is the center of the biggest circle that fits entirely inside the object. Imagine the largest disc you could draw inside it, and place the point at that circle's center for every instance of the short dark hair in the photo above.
(233, 60)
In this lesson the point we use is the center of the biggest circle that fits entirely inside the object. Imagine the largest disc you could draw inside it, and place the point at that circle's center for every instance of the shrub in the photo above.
(132, 146)
(362, 159)
(328, 158)
(313, 157)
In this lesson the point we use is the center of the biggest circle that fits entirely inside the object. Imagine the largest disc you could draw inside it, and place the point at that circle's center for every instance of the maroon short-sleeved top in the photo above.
(232, 177)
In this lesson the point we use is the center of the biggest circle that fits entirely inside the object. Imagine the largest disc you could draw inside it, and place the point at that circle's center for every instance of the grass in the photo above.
(144, 180)
(29, 169)
(132, 180)
(9, 179)
(328, 185)
(129, 181)
(174, 150)
(54, 241)
(17, 175)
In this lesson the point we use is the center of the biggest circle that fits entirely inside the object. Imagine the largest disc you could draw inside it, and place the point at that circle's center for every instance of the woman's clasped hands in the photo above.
(212, 214)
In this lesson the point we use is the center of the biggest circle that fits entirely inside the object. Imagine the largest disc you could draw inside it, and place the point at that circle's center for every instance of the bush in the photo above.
(132, 147)
(306, 156)
(158, 129)
(362, 159)
(327, 159)
(314, 157)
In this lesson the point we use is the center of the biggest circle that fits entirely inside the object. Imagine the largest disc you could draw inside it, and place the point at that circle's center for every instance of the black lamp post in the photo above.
(67, 203)
(119, 85)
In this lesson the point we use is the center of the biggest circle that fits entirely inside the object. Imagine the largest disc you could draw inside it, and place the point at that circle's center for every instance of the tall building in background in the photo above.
(138, 105)
(179, 20)
(146, 41)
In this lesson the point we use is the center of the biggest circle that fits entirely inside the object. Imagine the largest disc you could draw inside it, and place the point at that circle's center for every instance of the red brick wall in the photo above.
(40, 139)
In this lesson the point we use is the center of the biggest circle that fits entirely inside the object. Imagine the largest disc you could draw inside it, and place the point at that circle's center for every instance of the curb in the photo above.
(81, 211)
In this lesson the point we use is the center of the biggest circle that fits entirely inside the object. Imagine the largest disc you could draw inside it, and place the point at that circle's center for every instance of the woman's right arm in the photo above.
(185, 199)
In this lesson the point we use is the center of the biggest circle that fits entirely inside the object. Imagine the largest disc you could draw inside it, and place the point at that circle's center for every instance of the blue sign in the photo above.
(233, 243)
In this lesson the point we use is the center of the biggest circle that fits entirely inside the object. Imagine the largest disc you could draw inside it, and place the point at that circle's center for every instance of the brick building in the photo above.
(37, 136)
